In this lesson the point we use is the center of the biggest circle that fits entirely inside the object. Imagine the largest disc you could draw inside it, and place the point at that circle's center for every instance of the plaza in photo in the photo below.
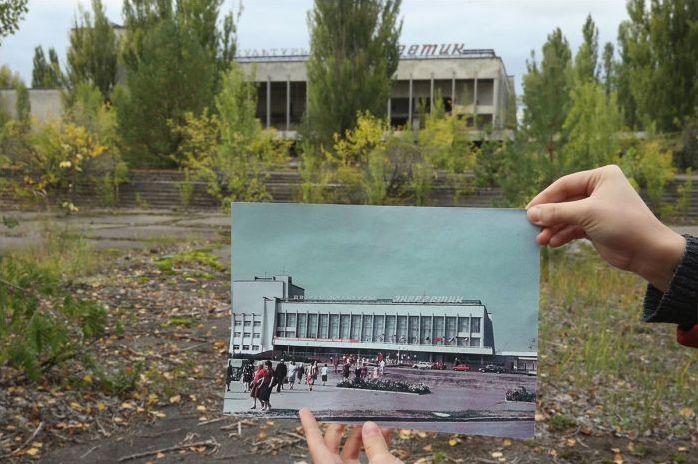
(414, 317)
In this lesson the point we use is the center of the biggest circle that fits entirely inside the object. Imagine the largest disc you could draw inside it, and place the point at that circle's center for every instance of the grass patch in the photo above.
(186, 322)
(596, 352)
(203, 258)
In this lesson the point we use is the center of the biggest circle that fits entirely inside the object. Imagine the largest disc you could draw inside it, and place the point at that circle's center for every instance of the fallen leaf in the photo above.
(506, 442)
(427, 449)
(496, 454)
(175, 399)
(687, 412)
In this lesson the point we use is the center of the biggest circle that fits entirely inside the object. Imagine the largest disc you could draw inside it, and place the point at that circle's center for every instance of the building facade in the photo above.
(271, 316)
(472, 83)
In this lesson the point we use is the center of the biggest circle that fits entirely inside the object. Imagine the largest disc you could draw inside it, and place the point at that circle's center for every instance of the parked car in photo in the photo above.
(492, 368)
(422, 365)
(461, 368)
(439, 366)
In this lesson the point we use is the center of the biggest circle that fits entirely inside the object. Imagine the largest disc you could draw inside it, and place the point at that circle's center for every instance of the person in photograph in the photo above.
(381, 367)
(229, 375)
(265, 389)
(256, 385)
(300, 371)
(247, 376)
(311, 376)
(357, 371)
(375, 372)
(280, 375)
(345, 370)
(323, 374)
(291, 375)
(364, 370)
(336, 363)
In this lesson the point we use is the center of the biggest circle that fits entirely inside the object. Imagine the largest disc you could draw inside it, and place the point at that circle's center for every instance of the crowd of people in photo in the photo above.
(261, 379)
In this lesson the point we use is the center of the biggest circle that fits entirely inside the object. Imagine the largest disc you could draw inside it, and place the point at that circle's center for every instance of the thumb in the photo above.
(375, 445)
(552, 214)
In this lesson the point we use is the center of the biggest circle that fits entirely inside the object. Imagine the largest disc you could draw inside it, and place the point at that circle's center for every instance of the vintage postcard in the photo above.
(413, 317)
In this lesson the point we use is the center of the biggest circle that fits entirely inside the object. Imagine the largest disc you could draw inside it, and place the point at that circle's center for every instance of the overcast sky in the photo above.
(511, 27)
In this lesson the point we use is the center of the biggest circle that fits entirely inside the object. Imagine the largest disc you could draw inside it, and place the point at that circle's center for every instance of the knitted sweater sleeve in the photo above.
(679, 305)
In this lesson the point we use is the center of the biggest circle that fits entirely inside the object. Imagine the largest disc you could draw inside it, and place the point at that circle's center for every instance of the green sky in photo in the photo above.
(387, 251)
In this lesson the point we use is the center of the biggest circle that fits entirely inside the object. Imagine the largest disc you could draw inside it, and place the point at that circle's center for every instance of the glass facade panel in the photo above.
(281, 320)
(302, 325)
(324, 326)
(378, 329)
(426, 330)
(475, 342)
(390, 329)
(291, 324)
(451, 330)
(463, 324)
(355, 327)
(368, 327)
(414, 329)
(334, 326)
(345, 326)
(438, 329)
(312, 325)
(475, 322)
(402, 329)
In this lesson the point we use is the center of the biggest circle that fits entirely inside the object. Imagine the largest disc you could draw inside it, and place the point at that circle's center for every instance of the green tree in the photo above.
(586, 60)
(354, 54)
(92, 55)
(547, 95)
(657, 75)
(173, 77)
(608, 64)
(11, 13)
(46, 74)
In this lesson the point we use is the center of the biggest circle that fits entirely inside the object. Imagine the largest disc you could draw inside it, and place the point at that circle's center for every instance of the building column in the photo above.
(268, 101)
(409, 115)
(431, 93)
(288, 103)
(475, 96)
(361, 332)
(385, 326)
(432, 330)
(389, 125)
(317, 334)
(453, 91)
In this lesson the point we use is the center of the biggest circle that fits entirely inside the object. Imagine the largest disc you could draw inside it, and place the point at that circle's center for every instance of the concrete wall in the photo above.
(46, 104)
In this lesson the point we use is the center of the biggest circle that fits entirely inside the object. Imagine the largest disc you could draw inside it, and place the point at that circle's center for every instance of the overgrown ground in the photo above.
(611, 388)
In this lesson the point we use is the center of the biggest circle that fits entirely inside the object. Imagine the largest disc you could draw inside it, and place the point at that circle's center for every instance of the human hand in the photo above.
(602, 206)
(325, 450)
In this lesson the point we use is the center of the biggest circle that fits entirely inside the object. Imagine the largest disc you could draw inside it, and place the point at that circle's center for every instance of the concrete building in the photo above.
(272, 316)
(46, 104)
(472, 83)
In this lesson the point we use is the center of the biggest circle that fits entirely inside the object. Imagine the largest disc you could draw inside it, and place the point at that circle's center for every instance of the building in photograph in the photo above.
(271, 316)
(472, 83)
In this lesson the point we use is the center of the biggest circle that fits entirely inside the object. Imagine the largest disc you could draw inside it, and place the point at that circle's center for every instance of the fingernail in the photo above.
(371, 428)
(534, 214)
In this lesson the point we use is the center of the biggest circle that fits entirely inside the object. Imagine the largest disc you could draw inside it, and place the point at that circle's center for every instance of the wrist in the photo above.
(662, 258)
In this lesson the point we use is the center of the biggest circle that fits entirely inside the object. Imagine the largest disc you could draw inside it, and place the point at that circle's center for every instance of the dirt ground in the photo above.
(170, 327)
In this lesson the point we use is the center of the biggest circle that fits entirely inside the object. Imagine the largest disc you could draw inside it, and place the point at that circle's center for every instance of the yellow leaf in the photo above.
(175, 399)
(405, 434)
(427, 449)
(453, 441)
(32, 451)
(201, 408)
(87, 379)
(127, 405)
(101, 406)
(158, 414)
(496, 454)
(687, 412)
(506, 442)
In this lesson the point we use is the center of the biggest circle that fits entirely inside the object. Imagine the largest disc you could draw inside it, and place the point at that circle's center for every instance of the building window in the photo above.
(281, 320)
(345, 326)
(334, 326)
(247, 323)
(312, 325)
(414, 329)
(390, 328)
(291, 322)
(256, 335)
(368, 327)
(438, 329)
(280, 333)
(463, 324)
(302, 325)
(426, 330)
(378, 329)
(255, 347)
(324, 326)
(475, 324)
(245, 347)
(475, 342)
(246, 334)
(257, 323)
(451, 330)
(402, 329)
(236, 347)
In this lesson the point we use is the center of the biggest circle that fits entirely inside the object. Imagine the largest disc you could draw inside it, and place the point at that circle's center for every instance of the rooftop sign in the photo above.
(406, 50)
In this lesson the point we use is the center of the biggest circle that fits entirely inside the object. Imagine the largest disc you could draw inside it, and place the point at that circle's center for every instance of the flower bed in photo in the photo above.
(385, 385)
